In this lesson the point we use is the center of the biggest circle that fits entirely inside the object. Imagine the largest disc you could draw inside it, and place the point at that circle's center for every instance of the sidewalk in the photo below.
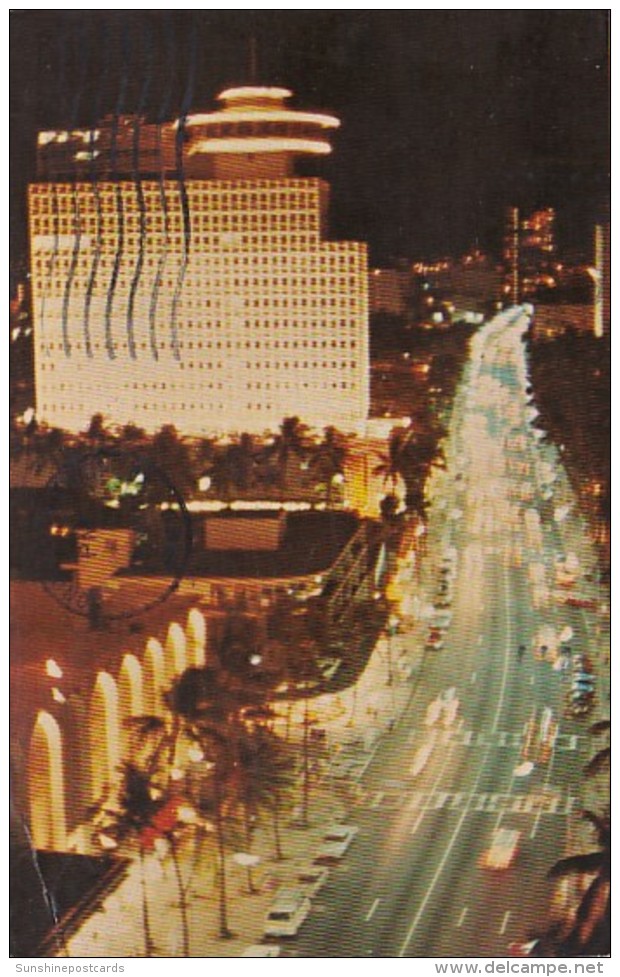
(355, 720)
(116, 929)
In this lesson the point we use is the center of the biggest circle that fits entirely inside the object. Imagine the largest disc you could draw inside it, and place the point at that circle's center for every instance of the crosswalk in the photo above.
(500, 739)
(551, 801)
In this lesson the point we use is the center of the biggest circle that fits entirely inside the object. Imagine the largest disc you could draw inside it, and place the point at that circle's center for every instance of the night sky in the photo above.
(447, 115)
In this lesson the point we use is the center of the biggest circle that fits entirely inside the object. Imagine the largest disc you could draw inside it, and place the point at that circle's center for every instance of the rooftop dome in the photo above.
(255, 119)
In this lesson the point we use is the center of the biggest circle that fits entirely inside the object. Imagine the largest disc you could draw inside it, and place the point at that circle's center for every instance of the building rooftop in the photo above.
(309, 543)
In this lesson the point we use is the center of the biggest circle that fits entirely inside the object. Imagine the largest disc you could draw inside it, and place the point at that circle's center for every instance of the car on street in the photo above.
(262, 950)
(289, 909)
(335, 843)
(503, 849)
(312, 878)
(434, 641)
(441, 620)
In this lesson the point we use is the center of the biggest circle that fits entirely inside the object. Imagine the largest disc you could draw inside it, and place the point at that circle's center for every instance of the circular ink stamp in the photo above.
(119, 534)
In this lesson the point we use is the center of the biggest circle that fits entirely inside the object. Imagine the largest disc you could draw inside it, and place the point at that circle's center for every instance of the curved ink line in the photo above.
(120, 222)
(75, 251)
(94, 268)
(98, 250)
(163, 256)
(187, 229)
(137, 178)
(51, 264)
(118, 257)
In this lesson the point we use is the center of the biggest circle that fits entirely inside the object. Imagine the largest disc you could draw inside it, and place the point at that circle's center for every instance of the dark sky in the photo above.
(447, 115)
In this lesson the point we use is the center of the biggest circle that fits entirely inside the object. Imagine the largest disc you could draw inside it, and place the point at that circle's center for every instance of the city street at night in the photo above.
(310, 505)
(414, 883)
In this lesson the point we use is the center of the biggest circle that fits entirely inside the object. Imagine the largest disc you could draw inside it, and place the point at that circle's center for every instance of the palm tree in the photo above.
(242, 461)
(589, 932)
(170, 453)
(209, 704)
(328, 459)
(131, 434)
(222, 475)
(267, 777)
(290, 441)
(391, 464)
(129, 817)
(146, 807)
(97, 432)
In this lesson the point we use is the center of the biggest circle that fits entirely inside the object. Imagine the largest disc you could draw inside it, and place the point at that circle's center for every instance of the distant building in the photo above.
(529, 252)
(389, 291)
(602, 280)
(247, 560)
(181, 274)
(468, 284)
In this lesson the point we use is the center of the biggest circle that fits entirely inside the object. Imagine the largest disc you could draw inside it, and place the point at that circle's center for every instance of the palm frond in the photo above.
(576, 865)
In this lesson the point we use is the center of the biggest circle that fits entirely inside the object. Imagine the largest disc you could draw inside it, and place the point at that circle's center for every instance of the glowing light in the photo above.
(195, 754)
(53, 669)
(245, 859)
(176, 653)
(253, 91)
(186, 814)
(261, 144)
(264, 115)
(161, 847)
(196, 633)
(107, 842)
(57, 696)
(204, 483)
(46, 787)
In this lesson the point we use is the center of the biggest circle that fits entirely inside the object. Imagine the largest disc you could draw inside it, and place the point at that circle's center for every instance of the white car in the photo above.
(441, 620)
(287, 912)
(313, 878)
(262, 950)
(336, 842)
(502, 850)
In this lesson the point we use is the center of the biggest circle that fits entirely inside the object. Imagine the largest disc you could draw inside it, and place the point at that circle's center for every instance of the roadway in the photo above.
(497, 751)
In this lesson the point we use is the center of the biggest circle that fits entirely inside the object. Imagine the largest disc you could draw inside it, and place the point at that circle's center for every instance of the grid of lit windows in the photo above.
(250, 302)
(216, 305)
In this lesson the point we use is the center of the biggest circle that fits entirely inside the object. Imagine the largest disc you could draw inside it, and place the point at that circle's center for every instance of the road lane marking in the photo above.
(461, 918)
(372, 910)
(456, 832)
(502, 928)
(442, 863)
(377, 799)
(502, 690)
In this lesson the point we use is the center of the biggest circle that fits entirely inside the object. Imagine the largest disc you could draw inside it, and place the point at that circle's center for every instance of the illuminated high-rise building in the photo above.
(181, 274)
(529, 252)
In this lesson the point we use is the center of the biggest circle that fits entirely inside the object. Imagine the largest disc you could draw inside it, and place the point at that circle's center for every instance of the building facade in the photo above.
(181, 274)
(530, 252)
(390, 291)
